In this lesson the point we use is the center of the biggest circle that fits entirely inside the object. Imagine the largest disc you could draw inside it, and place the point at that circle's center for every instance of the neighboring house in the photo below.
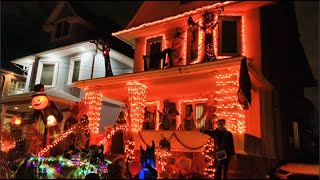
(68, 60)
(263, 31)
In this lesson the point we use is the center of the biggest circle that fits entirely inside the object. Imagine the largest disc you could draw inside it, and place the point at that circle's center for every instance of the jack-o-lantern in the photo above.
(39, 102)
(16, 120)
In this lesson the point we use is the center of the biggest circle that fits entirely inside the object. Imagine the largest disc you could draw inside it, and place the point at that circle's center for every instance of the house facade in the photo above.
(71, 57)
(183, 56)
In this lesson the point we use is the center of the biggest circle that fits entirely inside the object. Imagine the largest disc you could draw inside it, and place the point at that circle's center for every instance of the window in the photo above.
(153, 46)
(62, 29)
(199, 109)
(150, 118)
(229, 36)
(47, 73)
(16, 87)
(74, 70)
(193, 43)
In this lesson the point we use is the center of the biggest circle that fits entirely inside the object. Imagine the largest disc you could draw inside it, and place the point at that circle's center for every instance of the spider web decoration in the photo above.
(175, 48)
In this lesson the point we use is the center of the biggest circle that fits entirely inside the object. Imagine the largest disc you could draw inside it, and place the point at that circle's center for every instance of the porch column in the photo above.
(137, 100)
(93, 102)
(3, 114)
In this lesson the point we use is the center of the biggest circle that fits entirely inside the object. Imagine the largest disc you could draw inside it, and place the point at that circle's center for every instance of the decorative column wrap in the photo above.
(93, 101)
(228, 107)
(137, 99)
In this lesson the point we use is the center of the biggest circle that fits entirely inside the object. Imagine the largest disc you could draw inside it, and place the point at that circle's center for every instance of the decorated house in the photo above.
(209, 60)
(71, 55)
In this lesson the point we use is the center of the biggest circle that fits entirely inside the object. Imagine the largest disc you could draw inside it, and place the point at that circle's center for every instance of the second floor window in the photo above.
(74, 70)
(62, 29)
(153, 46)
(16, 87)
(193, 43)
(229, 43)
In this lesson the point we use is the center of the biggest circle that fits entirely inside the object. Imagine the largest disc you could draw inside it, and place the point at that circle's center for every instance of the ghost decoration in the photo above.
(46, 110)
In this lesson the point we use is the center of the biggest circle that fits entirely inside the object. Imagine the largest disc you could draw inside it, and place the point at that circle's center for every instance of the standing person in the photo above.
(224, 147)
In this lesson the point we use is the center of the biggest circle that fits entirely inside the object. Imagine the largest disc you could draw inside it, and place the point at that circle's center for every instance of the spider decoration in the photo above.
(174, 48)
(105, 48)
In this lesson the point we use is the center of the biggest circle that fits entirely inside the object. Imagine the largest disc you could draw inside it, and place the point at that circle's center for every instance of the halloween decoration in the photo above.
(16, 120)
(134, 167)
(209, 155)
(147, 160)
(208, 27)
(168, 117)
(105, 48)
(209, 111)
(162, 155)
(244, 92)
(175, 45)
(155, 58)
(188, 120)
(47, 110)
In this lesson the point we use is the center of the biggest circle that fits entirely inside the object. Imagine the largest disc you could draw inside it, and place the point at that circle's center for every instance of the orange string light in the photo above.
(137, 99)
(228, 107)
(93, 101)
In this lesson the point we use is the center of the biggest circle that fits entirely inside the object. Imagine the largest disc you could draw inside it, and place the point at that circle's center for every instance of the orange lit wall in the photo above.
(253, 115)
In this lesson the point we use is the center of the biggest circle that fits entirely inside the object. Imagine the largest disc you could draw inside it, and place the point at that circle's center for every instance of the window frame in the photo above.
(148, 47)
(239, 39)
(189, 47)
(15, 87)
(55, 71)
(61, 37)
(71, 69)
(183, 112)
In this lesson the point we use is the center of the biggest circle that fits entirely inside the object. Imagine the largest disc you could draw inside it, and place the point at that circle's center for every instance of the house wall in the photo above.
(108, 115)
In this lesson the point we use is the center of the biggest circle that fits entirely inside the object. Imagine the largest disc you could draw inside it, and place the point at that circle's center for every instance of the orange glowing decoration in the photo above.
(186, 14)
(137, 98)
(7, 145)
(228, 107)
(162, 156)
(16, 120)
(209, 158)
(157, 104)
(93, 101)
(39, 102)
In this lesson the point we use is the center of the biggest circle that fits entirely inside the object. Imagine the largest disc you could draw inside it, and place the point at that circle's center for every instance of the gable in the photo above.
(65, 12)
(155, 10)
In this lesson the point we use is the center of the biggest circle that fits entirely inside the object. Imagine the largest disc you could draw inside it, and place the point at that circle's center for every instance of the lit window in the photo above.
(199, 110)
(74, 70)
(62, 29)
(16, 87)
(47, 73)
(150, 117)
(229, 36)
(192, 43)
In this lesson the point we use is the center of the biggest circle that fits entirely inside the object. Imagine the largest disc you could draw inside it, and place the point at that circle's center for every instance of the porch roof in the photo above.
(23, 101)
(179, 81)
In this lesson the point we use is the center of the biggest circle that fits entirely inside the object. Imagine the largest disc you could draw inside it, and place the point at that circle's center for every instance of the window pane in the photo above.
(199, 110)
(154, 48)
(12, 88)
(76, 71)
(229, 37)
(47, 74)
(66, 27)
(20, 87)
(58, 30)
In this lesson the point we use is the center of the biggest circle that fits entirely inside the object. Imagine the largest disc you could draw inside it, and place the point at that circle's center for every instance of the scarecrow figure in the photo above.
(48, 111)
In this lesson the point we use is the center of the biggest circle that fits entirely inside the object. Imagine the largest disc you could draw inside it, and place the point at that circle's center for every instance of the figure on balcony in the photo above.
(188, 120)
(155, 59)
(209, 111)
(168, 117)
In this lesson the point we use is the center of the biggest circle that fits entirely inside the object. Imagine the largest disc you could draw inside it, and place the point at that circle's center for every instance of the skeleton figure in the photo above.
(209, 111)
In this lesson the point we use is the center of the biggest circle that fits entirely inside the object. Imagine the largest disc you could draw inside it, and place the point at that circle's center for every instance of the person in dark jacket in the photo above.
(223, 140)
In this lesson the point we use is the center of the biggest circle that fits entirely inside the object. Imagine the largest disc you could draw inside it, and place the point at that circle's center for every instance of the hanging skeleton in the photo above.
(209, 25)
(105, 49)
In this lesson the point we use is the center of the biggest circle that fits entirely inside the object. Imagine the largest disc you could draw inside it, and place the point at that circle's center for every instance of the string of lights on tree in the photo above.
(227, 84)
(129, 150)
(162, 155)
(209, 155)
(137, 99)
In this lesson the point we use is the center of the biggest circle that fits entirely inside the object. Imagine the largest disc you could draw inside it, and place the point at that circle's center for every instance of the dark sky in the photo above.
(21, 23)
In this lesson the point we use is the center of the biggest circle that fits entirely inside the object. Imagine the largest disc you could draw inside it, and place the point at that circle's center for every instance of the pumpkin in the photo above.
(39, 102)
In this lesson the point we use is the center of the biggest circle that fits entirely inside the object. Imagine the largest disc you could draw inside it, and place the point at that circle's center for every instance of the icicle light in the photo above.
(228, 107)
(137, 99)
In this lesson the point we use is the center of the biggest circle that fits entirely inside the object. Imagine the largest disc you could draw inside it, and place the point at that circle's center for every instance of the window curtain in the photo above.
(199, 110)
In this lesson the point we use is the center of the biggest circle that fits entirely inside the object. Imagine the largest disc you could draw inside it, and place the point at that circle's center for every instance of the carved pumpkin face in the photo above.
(39, 102)
(51, 121)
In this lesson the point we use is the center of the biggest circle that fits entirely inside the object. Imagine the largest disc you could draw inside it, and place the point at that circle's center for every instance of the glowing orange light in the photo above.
(228, 107)
(162, 156)
(137, 98)
(189, 13)
(93, 101)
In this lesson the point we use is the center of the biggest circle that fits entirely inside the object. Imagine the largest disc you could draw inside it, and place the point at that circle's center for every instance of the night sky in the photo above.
(21, 24)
